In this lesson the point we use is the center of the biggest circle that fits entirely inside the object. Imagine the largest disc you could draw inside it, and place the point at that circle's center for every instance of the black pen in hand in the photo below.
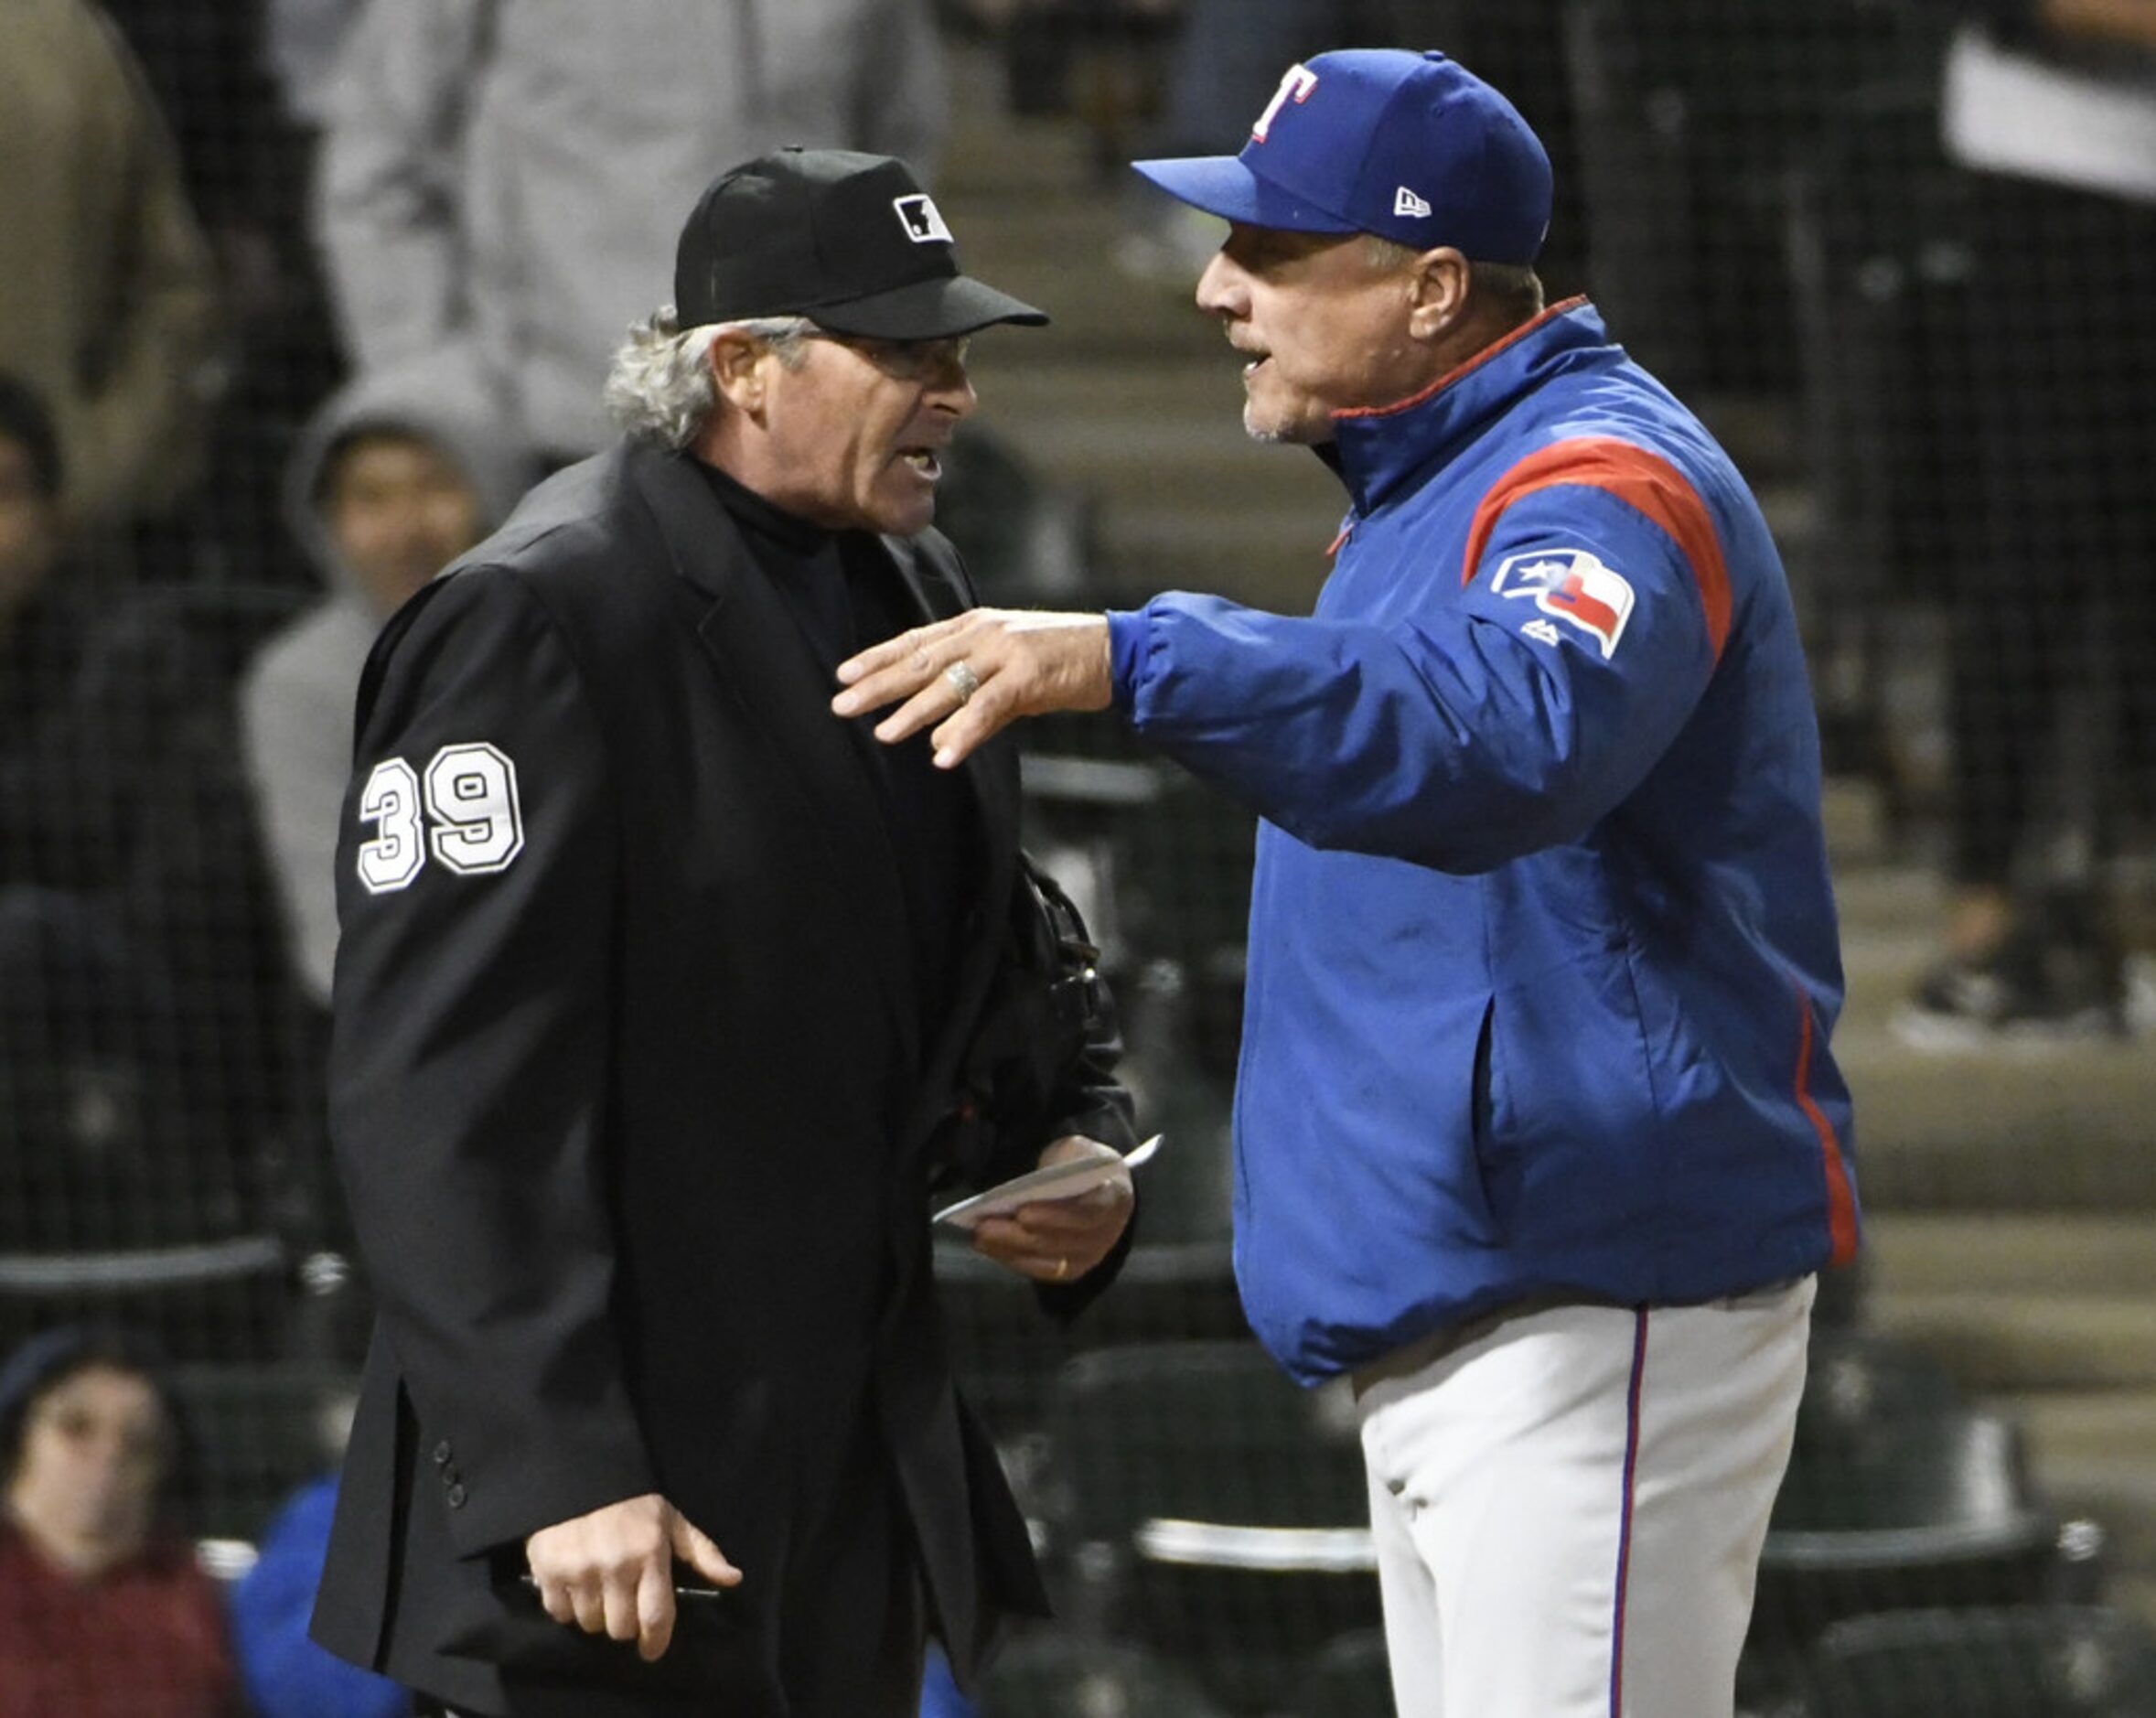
(680, 1591)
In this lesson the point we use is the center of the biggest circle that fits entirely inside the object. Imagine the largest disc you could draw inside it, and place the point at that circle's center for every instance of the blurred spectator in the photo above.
(102, 1614)
(1688, 117)
(501, 176)
(2050, 105)
(108, 303)
(396, 476)
(31, 474)
(285, 1674)
(941, 1697)
(93, 1152)
(247, 164)
(303, 40)
(121, 795)
(205, 66)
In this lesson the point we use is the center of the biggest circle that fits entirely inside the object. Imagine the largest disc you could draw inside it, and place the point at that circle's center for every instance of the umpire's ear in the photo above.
(737, 367)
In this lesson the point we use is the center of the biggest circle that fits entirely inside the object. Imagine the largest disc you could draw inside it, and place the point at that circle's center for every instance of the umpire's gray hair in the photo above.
(662, 388)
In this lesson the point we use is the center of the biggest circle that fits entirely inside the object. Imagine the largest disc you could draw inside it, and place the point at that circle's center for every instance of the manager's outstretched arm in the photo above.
(974, 674)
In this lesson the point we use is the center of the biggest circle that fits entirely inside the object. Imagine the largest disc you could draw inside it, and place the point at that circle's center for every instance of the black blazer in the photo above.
(629, 1101)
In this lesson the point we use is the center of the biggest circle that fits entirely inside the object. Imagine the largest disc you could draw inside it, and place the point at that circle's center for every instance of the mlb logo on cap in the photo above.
(924, 223)
(1413, 148)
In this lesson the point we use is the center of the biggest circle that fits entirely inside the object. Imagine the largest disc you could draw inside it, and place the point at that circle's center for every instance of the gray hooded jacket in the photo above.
(296, 699)
(514, 178)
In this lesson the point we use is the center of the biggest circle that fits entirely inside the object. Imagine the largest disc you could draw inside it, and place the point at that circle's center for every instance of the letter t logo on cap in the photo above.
(1296, 85)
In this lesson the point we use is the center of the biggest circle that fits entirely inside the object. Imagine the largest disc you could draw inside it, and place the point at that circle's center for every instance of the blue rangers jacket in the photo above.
(1543, 956)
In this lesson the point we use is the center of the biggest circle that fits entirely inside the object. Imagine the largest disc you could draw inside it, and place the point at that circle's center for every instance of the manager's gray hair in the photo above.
(662, 388)
(1515, 288)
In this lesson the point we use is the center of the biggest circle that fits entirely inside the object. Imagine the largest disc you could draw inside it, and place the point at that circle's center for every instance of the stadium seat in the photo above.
(1350, 1678)
(1183, 888)
(1917, 1509)
(2036, 1661)
(1179, 1281)
(1856, 1381)
(1213, 1510)
(1069, 1676)
(1007, 1352)
(1003, 1348)
(252, 1434)
(113, 1208)
(1188, 1187)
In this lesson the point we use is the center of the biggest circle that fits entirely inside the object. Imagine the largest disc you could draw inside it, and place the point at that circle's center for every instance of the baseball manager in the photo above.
(1539, 1137)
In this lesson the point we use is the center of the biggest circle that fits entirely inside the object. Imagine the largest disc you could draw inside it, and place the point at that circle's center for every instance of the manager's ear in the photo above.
(1437, 283)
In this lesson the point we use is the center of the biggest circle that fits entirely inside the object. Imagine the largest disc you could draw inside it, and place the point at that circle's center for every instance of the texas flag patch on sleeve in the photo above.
(1572, 586)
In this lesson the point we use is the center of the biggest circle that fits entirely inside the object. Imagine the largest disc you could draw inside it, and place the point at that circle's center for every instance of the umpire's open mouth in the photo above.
(925, 460)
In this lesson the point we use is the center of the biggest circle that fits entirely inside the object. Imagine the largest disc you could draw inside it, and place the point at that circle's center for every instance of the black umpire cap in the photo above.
(848, 240)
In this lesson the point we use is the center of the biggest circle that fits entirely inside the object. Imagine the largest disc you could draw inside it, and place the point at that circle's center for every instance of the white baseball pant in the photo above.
(1568, 1503)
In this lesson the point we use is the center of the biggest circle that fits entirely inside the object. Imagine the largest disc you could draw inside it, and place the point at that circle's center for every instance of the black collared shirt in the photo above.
(844, 592)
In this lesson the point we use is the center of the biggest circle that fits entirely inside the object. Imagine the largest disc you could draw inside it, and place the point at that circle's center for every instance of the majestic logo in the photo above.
(923, 222)
(1572, 586)
(1405, 202)
(1294, 87)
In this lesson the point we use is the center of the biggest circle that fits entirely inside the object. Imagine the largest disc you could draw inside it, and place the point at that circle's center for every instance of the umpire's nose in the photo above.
(950, 389)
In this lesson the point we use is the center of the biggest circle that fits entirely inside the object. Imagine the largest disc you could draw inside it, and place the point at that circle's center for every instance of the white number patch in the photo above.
(390, 802)
(470, 794)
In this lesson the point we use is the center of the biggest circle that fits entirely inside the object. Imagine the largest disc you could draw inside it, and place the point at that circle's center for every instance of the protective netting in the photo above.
(1900, 255)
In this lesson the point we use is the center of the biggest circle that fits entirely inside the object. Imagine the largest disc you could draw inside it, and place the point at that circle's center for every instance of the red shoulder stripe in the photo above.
(1646, 482)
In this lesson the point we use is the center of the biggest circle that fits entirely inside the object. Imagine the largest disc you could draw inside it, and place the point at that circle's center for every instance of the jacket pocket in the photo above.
(1496, 1158)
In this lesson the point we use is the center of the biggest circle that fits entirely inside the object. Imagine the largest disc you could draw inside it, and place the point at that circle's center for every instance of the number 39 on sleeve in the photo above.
(463, 810)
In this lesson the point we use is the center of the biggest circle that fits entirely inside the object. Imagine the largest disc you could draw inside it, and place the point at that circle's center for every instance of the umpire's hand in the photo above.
(1058, 1240)
(612, 1571)
(973, 675)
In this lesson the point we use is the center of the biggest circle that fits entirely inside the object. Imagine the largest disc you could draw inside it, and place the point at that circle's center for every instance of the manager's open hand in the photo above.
(975, 673)
(612, 1571)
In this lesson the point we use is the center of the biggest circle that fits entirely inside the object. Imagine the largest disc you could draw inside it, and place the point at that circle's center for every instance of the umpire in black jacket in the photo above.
(656, 1006)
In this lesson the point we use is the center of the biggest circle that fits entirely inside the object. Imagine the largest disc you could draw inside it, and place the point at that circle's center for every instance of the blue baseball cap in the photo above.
(1411, 146)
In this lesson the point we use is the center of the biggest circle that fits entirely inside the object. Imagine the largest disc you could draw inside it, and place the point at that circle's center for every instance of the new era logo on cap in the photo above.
(924, 222)
(1405, 202)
